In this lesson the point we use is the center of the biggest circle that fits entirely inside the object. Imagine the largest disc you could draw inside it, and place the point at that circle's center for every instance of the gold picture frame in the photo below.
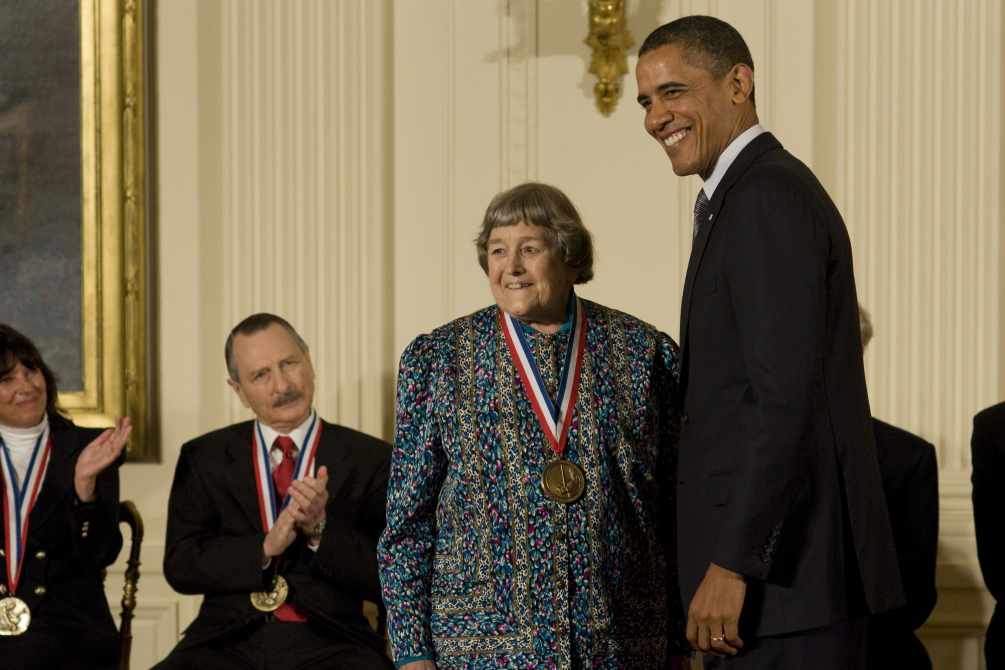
(114, 307)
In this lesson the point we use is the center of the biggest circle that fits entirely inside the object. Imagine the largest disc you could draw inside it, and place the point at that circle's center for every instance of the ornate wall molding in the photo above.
(519, 125)
(918, 133)
(306, 225)
(913, 150)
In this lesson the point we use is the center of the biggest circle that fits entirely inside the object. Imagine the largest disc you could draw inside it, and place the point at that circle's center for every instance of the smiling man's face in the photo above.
(276, 377)
(692, 116)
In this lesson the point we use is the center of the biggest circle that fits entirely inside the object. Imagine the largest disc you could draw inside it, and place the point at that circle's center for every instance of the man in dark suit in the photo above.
(988, 453)
(910, 473)
(784, 539)
(284, 554)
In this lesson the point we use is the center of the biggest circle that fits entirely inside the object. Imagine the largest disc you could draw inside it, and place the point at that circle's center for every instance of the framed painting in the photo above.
(73, 202)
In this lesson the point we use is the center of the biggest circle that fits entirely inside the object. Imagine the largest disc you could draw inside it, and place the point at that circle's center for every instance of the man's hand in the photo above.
(419, 665)
(283, 532)
(309, 499)
(97, 456)
(680, 663)
(715, 612)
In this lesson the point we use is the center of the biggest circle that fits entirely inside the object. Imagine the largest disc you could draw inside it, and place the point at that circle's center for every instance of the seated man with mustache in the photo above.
(276, 521)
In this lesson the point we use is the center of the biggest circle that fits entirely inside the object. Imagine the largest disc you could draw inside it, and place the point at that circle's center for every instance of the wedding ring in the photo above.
(717, 639)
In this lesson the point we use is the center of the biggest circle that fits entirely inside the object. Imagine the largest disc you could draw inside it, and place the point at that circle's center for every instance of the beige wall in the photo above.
(331, 161)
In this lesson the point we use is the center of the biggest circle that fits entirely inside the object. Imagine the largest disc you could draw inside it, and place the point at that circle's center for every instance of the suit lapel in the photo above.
(240, 474)
(331, 452)
(58, 480)
(760, 144)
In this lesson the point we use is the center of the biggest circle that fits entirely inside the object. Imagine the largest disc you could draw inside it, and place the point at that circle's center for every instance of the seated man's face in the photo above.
(276, 377)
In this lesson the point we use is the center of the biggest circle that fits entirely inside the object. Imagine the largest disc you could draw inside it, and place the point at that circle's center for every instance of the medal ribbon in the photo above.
(555, 421)
(18, 502)
(263, 473)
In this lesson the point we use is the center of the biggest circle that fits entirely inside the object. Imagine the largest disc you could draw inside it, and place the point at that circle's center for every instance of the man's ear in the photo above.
(741, 81)
(240, 392)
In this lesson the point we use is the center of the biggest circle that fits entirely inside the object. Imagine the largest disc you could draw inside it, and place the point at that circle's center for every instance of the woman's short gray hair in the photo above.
(545, 206)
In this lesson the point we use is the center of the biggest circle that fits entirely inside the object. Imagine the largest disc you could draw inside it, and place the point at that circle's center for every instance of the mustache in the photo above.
(289, 396)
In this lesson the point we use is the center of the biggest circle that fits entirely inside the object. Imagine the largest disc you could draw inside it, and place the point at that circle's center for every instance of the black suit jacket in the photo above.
(215, 535)
(778, 478)
(988, 478)
(68, 546)
(910, 474)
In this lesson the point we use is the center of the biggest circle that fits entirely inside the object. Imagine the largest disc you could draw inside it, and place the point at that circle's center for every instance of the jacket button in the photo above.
(2, 554)
(3, 589)
(39, 590)
(40, 555)
(683, 417)
(765, 557)
(768, 548)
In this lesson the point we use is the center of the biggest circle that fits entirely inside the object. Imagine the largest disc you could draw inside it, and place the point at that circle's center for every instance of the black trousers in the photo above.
(839, 646)
(65, 645)
(277, 645)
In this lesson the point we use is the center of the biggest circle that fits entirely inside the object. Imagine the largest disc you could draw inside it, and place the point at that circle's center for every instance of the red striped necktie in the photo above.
(282, 477)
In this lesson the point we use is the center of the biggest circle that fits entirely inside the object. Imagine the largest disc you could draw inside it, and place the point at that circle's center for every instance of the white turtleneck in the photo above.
(20, 444)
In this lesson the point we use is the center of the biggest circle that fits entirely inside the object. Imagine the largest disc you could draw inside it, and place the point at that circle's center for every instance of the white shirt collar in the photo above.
(728, 156)
(298, 434)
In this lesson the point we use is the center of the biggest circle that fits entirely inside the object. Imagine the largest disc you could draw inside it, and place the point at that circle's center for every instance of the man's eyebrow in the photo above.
(255, 373)
(663, 87)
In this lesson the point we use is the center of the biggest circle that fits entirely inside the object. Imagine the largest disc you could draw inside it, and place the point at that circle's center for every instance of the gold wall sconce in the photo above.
(609, 38)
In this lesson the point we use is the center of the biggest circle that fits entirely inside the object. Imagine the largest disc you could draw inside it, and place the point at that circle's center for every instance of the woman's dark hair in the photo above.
(16, 348)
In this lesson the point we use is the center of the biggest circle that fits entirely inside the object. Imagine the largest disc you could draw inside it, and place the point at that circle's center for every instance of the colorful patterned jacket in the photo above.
(479, 568)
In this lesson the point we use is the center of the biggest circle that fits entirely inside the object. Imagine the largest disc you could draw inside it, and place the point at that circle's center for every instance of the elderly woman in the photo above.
(61, 506)
(530, 518)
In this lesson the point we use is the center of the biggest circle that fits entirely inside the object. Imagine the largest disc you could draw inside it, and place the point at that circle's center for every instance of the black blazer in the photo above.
(776, 432)
(215, 535)
(910, 474)
(61, 574)
(988, 452)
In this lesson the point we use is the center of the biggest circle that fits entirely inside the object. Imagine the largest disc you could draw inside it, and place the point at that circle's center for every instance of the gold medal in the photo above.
(269, 601)
(563, 481)
(14, 616)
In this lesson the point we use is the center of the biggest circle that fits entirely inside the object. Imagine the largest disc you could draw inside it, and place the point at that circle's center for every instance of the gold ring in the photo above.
(717, 639)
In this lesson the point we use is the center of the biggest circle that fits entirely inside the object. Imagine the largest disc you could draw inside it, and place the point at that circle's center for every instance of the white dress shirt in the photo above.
(728, 156)
(298, 435)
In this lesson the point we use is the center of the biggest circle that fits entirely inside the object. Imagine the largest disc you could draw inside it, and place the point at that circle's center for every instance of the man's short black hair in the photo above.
(707, 42)
(17, 348)
(251, 325)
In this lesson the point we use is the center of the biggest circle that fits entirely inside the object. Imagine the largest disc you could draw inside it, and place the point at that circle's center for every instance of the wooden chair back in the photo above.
(130, 515)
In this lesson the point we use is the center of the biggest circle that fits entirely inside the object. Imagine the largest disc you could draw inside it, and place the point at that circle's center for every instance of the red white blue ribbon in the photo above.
(263, 471)
(555, 419)
(18, 501)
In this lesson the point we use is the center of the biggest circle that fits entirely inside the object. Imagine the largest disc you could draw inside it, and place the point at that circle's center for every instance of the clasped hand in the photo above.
(715, 612)
(305, 511)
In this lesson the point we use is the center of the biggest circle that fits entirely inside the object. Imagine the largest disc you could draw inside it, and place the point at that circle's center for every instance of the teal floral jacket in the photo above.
(479, 567)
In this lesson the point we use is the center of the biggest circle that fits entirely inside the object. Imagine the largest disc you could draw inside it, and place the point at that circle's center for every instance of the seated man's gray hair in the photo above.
(251, 325)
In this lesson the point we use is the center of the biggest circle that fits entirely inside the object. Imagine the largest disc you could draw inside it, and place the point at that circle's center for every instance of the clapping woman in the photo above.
(60, 488)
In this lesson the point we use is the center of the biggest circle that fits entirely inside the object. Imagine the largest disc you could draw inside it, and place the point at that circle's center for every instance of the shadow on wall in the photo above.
(643, 17)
